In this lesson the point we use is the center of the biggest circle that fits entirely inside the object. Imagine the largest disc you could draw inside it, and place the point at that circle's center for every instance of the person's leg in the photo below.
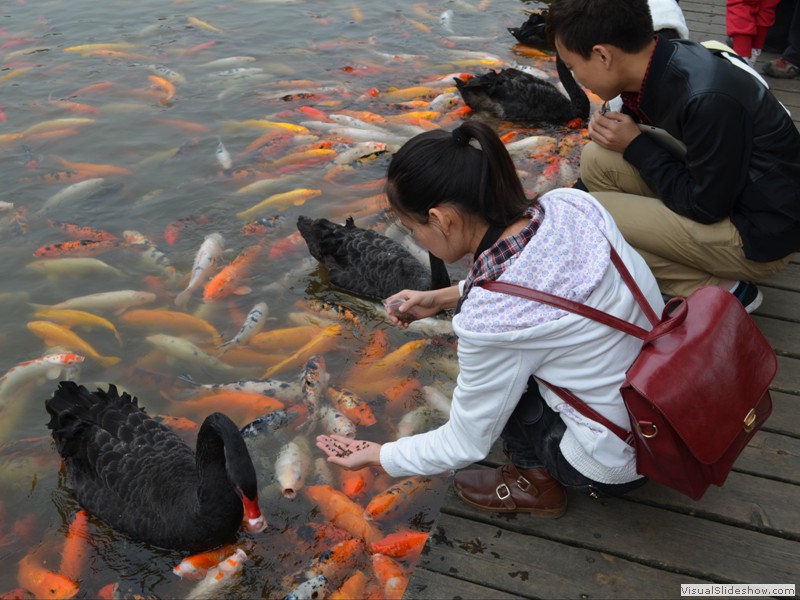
(787, 66)
(683, 254)
(606, 171)
(740, 23)
(778, 35)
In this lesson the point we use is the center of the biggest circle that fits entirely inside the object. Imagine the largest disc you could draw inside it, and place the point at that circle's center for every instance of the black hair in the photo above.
(581, 24)
(442, 167)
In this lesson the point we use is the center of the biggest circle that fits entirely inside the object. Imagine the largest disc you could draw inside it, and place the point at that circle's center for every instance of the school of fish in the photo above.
(154, 169)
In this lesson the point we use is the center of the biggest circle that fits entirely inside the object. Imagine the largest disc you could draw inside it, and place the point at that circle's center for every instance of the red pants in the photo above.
(747, 22)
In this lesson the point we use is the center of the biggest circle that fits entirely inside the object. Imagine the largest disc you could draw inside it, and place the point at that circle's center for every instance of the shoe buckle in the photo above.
(502, 491)
(523, 483)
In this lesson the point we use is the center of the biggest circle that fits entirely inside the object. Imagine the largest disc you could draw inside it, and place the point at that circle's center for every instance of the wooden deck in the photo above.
(648, 543)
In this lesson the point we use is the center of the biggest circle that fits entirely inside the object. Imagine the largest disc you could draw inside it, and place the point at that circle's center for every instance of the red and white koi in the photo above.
(49, 366)
(197, 565)
(151, 256)
(282, 390)
(220, 578)
(205, 259)
(253, 323)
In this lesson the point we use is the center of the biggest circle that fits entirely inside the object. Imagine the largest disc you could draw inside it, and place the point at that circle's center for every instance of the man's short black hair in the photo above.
(581, 24)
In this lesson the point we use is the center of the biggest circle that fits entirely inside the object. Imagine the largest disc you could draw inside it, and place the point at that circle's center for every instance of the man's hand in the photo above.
(613, 130)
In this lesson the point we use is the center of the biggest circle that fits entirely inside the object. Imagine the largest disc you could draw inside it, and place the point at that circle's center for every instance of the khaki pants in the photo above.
(683, 254)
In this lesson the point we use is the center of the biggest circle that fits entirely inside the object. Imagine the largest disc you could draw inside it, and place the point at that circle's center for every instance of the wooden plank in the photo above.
(744, 501)
(771, 455)
(785, 418)
(787, 279)
(430, 585)
(788, 377)
(779, 304)
(784, 336)
(526, 565)
(655, 537)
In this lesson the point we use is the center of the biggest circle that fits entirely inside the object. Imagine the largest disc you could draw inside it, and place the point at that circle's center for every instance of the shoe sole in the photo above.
(755, 303)
(545, 513)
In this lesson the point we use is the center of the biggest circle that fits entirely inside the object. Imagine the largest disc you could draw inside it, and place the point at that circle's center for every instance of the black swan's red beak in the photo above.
(254, 520)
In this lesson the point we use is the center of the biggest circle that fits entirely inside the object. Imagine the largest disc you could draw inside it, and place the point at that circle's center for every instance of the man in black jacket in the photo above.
(722, 205)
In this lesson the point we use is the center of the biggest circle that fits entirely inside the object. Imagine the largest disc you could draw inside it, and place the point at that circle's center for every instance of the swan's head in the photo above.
(254, 521)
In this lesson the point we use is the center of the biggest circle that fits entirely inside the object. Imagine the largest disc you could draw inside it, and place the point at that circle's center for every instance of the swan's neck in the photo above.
(577, 97)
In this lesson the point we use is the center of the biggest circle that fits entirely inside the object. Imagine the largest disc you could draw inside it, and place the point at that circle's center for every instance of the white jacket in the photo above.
(497, 355)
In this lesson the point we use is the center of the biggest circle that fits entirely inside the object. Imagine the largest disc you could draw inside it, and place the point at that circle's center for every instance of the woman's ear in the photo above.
(441, 217)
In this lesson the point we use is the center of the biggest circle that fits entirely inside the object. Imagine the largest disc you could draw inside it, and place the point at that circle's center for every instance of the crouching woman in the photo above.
(459, 194)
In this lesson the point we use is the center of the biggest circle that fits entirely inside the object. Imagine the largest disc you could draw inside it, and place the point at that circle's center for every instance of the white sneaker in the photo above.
(754, 54)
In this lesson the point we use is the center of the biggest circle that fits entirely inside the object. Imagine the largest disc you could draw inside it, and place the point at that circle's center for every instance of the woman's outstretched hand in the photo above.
(350, 454)
(408, 305)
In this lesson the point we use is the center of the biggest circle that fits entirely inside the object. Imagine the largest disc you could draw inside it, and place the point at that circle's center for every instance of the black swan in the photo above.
(141, 479)
(514, 95)
(532, 32)
(366, 263)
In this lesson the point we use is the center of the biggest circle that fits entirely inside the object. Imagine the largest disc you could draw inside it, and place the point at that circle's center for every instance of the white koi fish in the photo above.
(185, 350)
(116, 301)
(446, 21)
(223, 156)
(316, 587)
(420, 420)
(152, 257)
(293, 466)
(253, 323)
(49, 366)
(81, 189)
(204, 262)
(335, 423)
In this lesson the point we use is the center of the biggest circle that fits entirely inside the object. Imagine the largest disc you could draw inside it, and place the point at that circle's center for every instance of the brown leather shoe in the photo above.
(508, 489)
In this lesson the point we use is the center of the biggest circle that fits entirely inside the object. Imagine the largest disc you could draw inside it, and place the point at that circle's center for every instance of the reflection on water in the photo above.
(160, 123)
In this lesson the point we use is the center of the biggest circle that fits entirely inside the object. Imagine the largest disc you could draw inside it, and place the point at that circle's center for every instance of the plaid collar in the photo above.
(632, 100)
(494, 261)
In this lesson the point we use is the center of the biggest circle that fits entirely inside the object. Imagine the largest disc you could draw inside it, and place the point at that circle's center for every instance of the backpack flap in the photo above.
(704, 368)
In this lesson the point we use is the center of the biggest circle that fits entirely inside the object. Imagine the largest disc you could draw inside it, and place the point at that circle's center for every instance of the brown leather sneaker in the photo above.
(508, 489)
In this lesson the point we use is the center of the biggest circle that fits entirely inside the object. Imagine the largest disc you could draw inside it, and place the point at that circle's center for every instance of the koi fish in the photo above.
(355, 586)
(49, 366)
(329, 310)
(269, 423)
(407, 544)
(77, 248)
(393, 361)
(123, 46)
(323, 342)
(163, 320)
(227, 281)
(151, 256)
(355, 484)
(316, 587)
(297, 197)
(391, 575)
(77, 318)
(81, 232)
(202, 24)
(185, 350)
(436, 399)
(54, 334)
(223, 156)
(114, 301)
(76, 547)
(205, 259)
(335, 423)
(336, 563)
(313, 383)
(219, 579)
(94, 170)
(281, 339)
(396, 499)
(293, 466)
(81, 189)
(343, 512)
(253, 323)
(421, 419)
(356, 409)
(196, 565)
(43, 583)
(162, 85)
(282, 390)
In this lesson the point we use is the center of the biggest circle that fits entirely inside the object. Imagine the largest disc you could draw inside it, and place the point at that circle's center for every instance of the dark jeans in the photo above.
(531, 438)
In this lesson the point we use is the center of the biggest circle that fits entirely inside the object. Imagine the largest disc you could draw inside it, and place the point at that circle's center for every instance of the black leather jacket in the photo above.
(743, 150)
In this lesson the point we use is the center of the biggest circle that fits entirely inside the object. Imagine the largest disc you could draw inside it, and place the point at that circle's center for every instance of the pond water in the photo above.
(175, 120)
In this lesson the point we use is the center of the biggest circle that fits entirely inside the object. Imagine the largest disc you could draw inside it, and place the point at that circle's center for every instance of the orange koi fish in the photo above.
(54, 334)
(76, 547)
(75, 107)
(389, 364)
(81, 232)
(355, 484)
(220, 578)
(101, 86)
(196, 565)
(43, 583)
(291, 243)
(172, 232)
(324, 341)
(343, 512)
(377, 347)
(242, 407)
(78, 248)
(94, 170)
(188, 126)
(355, 586)
(77, 318)
(396, 499)
(338, 562)
(162, 85)
(228, 280)
(351, 406)
(202, 24)
(407, 545)
(391, 575)
(282, 339)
